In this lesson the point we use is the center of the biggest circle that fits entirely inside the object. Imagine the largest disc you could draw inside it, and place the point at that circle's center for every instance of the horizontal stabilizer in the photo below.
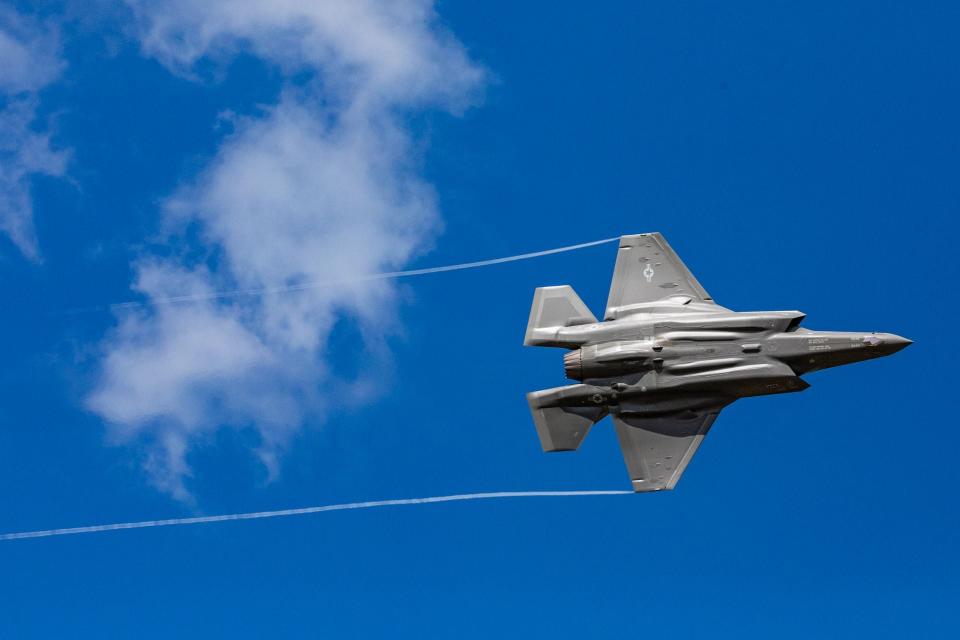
(553, 309)
(561, 428)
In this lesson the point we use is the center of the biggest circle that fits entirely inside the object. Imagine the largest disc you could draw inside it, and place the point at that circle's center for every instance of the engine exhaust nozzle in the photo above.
(573, 364)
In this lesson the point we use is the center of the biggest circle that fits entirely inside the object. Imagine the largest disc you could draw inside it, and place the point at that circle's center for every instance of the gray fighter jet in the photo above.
(667, 359)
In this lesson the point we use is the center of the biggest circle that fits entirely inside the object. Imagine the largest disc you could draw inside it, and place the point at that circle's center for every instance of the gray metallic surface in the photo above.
(666, 359)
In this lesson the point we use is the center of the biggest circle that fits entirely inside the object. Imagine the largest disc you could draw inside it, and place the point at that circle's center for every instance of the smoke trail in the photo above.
(302, 511)
(325, 283)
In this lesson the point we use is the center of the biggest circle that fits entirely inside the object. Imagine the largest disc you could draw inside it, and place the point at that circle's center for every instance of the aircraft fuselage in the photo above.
(652, 363)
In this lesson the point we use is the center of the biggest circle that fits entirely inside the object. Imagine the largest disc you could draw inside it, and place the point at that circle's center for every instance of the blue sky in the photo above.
(795, 157)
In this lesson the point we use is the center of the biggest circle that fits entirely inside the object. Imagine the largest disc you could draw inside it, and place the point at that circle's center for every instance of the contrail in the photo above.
(386, 275)
(303, 511)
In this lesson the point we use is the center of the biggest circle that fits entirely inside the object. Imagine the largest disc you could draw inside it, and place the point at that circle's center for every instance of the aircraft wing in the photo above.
(648, 270)
(657, 450)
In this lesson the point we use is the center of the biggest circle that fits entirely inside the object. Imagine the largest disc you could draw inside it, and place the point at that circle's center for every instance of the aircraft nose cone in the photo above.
(895, 343)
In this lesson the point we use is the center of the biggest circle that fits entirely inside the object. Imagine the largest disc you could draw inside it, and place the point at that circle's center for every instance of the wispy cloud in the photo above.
(29, 61)
(322, 185)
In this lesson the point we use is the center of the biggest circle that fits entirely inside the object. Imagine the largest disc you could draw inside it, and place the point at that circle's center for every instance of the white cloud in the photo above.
(30, 59)
(320, 186)
(379, 50)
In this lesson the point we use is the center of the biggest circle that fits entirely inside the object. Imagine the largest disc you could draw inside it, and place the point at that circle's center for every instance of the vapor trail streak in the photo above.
(303, 511)
(217, 295)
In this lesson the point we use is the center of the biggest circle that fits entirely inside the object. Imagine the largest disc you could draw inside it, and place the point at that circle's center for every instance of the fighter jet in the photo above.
(666, 359)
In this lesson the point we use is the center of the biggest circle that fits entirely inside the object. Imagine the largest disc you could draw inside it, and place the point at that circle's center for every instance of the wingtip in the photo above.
(627, 237)
(642, 486)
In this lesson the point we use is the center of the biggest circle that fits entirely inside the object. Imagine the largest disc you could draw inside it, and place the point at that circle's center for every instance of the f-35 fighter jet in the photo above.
(666, 359)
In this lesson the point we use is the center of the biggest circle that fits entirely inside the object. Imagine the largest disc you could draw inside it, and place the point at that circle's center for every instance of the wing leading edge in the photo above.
(648, 270)
(657, 450)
